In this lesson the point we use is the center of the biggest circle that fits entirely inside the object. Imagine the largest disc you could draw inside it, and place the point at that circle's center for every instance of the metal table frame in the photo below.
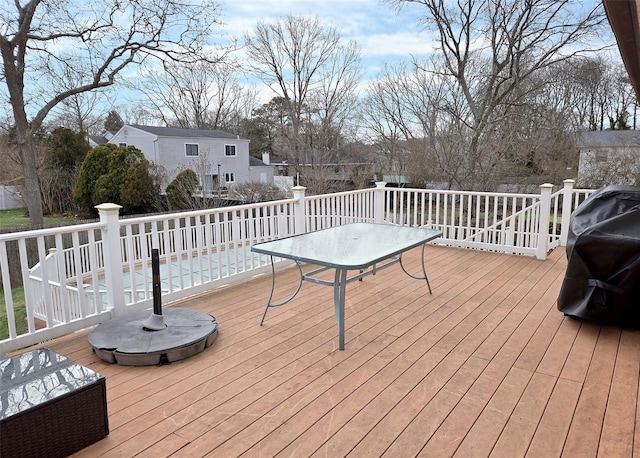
(296, 249)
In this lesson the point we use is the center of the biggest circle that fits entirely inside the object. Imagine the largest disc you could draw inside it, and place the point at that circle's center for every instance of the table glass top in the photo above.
(351, 246)
(38, 376)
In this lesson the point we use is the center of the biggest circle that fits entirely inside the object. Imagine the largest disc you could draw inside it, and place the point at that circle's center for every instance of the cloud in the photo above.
(396, 44)
(384, 34)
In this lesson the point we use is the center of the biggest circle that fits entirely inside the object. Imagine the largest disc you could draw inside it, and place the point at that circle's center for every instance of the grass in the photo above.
(20, 312)
(16, 218)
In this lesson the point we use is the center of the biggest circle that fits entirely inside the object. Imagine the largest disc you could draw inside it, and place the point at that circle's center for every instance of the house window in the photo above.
(122, 144)
(229, 177)
(229, 150)
(191, 149)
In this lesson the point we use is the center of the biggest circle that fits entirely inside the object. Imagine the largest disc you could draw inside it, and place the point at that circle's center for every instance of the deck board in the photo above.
(485, 366)
(620, 416)
(584, 434)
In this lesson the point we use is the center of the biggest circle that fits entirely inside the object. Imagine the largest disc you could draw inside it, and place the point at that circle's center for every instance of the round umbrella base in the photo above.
(127, 341)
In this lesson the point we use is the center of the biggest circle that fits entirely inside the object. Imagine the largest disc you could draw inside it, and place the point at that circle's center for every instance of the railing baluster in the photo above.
(8, 291)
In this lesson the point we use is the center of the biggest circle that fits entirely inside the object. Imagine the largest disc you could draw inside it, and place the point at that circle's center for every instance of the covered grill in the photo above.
(602, 281)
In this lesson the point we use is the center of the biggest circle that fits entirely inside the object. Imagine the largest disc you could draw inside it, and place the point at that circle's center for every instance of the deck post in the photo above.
(545, 210)
(299, 209)
(567, 209)
(378, 202)
(113, 276)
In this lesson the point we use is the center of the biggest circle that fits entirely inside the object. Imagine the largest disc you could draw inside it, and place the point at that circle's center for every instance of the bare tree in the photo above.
(10, 170)
(255, 191)
(335, 99)
(386, 121)
(307, 65)
(93, 40)
(205, 95)
(584, 79)
(622, 98)
(490, 48)
(415, 116)
(77, 112)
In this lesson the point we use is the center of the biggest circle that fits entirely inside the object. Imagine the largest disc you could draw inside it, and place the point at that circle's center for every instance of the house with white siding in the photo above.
(609, 157)
(220, 159)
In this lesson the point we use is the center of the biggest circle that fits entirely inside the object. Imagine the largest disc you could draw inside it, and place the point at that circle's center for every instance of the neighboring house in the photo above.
(260, 171)
(608, 157)
(95, 140)
(280, 166)
(220, 159)
(281, 179)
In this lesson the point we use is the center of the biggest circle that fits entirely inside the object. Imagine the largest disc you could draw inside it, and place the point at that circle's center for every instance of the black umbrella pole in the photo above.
(155, 269)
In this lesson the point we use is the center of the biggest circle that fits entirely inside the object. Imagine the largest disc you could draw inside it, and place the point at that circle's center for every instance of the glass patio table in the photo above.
(362, 247)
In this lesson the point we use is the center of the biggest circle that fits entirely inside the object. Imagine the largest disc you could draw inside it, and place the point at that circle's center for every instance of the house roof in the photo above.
(608, 138)
(333, 157)
(623, 17)
(179, 132)
(98, 139)
(254, 161)
(278, 161)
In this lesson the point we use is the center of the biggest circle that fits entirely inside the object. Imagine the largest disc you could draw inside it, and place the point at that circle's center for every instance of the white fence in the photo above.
(78, 276)
(529, 224)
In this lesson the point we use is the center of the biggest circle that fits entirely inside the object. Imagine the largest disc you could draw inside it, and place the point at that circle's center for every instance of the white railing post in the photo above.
(113, 276)
(299, 209)
(53, 264)
(378, 202)
(567, 209)
(543, 229)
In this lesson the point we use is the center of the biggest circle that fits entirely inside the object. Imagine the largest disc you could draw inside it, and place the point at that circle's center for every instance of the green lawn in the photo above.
(16, 219)
(19, 310)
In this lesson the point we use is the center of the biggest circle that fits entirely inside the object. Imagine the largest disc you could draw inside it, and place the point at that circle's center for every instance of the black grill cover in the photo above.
(602, 281)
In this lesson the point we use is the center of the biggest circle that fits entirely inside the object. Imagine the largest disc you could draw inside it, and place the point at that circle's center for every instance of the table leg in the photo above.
(424, 270)
(273, 287)
(339, 292)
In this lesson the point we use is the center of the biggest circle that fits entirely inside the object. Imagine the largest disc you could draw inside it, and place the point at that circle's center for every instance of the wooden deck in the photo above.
(486, 366)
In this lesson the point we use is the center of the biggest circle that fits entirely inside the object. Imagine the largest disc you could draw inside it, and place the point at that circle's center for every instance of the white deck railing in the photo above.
(78, 276)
